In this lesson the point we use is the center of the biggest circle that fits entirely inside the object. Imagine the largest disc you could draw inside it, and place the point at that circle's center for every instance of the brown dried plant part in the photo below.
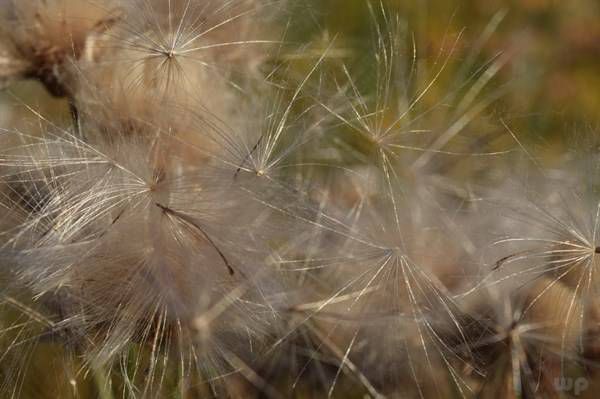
(43, 39)
(10, 67)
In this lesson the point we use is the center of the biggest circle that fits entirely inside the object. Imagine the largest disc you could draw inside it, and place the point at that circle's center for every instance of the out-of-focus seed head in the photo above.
(44, 38)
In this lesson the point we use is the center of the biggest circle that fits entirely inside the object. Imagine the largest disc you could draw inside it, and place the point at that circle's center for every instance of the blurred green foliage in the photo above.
(553, 47)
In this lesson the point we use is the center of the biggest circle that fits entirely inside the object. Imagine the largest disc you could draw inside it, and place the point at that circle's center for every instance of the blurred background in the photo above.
(553, 49)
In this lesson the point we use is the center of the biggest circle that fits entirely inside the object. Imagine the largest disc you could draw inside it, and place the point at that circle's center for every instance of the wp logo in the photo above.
(575, 385)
